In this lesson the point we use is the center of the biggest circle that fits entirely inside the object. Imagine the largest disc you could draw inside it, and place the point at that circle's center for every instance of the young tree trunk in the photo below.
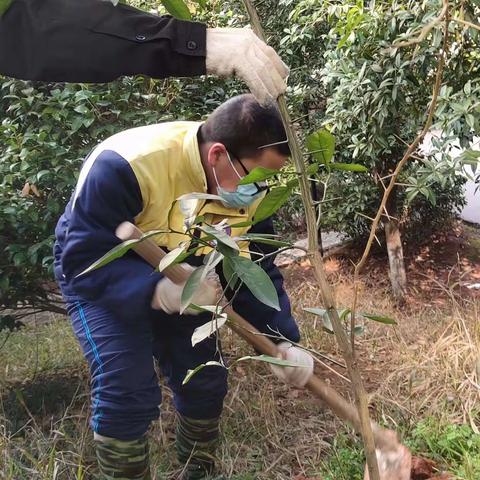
(397, 273)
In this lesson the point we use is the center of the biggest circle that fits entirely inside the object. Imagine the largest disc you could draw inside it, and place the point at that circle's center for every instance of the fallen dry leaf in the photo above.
(422, 468)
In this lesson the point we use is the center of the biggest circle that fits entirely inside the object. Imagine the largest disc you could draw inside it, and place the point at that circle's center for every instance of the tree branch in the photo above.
(316, 261)
(425, 30)
(464, 22)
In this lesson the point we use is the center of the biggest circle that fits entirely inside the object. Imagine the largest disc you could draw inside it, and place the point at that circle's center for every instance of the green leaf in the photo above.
(228, 272)
(171, 257)
(119, 251)
(215, 309)
(226, 251)
(259, 238)
(358, 330)
(196, 278)
(321, 144)
(202, 3)
(177, 8)
(41, 174)
(470, 119)
(189, 203)
(208, 329)
(350, 167)
(274, 199)
(185, 255)
(316, 311)
(379, 318)
(191, 286)
(327, 324)
(4, 4)
(312, 169)
(81, 109)
(257, 281)
(272, 360)
(220, 235)
(323, 314)
(467, 88)
(113, 254)
(191, 373)
(258, 174)
(199, 196)
(212, 259)
(470, 157)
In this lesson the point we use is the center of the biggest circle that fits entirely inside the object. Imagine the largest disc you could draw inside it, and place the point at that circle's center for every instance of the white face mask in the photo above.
(243, 196)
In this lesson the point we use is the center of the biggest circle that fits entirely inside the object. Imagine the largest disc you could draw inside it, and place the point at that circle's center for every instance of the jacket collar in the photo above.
(198, 179)
(191, 152)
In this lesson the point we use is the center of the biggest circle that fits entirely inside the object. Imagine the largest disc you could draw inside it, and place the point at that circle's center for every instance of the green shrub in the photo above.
(45, 131)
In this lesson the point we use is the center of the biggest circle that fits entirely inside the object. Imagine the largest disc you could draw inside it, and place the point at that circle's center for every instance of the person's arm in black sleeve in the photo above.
(108, 196)
(261, 316)
(95, 41)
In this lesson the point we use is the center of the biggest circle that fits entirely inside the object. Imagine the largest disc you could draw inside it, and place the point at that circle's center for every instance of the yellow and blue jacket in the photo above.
(137, 175)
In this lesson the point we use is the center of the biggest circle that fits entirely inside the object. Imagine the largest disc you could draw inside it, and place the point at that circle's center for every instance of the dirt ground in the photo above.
(446, 272)
(430, 360)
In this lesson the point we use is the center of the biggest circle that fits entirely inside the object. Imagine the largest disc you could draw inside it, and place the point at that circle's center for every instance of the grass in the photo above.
(422, 377)
(456, 447)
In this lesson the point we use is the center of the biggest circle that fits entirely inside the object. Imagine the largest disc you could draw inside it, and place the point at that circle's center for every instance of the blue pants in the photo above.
(125, 393)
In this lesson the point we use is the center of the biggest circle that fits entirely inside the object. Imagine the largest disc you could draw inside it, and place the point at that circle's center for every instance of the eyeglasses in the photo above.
(260, 188)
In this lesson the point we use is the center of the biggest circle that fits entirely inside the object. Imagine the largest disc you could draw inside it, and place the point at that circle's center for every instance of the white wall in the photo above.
(471, 212)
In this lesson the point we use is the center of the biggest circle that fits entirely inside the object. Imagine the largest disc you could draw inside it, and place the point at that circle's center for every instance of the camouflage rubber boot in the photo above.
(122, 460)
(197, 441)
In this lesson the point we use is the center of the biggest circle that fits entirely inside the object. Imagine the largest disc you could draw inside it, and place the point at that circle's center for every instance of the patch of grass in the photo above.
(473, 250)
(455, 447)
(35, 349)
(43, 404)
(345, 461)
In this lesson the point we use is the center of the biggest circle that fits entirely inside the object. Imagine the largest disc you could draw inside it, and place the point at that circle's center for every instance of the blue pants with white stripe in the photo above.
(120, 353)
(120, 350)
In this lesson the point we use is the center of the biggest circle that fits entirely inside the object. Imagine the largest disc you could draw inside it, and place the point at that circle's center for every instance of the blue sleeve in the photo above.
(261, 316)
(109, 196)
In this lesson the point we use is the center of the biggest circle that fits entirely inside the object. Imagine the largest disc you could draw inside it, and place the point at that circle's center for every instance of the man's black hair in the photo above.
(243, 125)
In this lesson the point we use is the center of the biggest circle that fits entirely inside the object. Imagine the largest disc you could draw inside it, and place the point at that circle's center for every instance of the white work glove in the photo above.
(297, 376)
(167, 295)
(238, 51)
